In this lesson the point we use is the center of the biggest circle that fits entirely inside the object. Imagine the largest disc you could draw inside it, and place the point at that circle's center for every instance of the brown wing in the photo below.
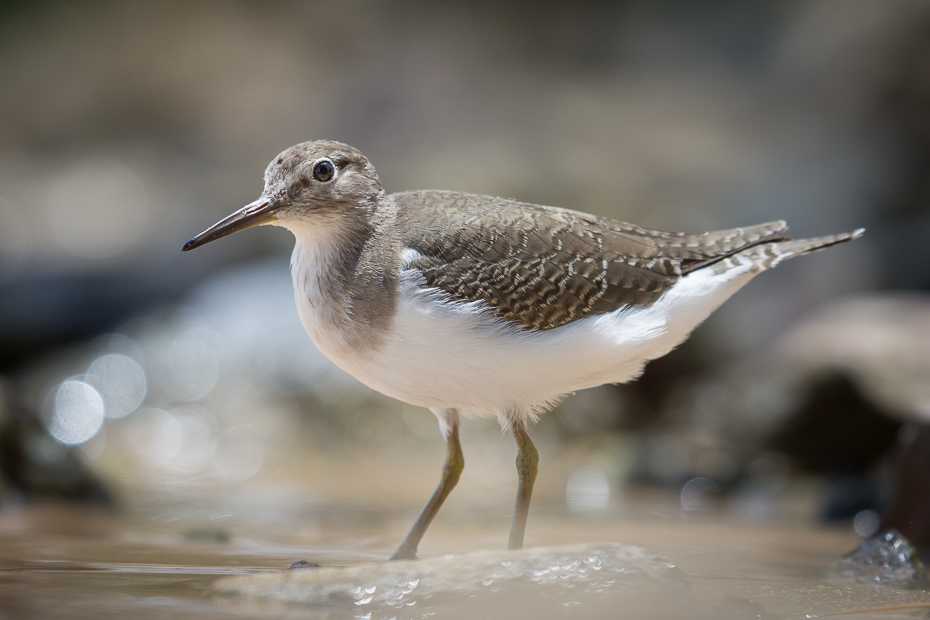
(542, 267)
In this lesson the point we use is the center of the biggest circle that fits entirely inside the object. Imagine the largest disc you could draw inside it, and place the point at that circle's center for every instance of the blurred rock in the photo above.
(832, 397)
(834, 429)
(856, 361)
(41, 312)
(908, 509)
(882, 344)
(34, 465)
(881, 341)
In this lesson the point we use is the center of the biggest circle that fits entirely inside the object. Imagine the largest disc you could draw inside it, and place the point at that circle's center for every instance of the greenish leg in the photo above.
(527, 460)
(451, 471)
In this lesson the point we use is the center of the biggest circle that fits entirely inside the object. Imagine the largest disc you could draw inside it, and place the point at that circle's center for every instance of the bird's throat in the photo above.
(345, 298)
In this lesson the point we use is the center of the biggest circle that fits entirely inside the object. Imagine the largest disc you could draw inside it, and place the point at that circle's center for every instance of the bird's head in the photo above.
(306, 185)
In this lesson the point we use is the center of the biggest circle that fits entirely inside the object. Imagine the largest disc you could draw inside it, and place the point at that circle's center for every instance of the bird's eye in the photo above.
(323, 170)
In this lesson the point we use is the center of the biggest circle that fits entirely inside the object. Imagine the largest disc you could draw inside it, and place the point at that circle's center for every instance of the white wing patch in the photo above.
(408, 256)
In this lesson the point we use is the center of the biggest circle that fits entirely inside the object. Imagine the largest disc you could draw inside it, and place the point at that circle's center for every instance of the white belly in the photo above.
(449, 354)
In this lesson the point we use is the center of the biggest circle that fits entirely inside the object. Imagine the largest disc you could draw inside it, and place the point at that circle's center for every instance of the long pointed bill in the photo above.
(255, 214)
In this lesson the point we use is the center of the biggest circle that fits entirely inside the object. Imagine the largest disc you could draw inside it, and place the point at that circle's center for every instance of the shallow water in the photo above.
(60, 562)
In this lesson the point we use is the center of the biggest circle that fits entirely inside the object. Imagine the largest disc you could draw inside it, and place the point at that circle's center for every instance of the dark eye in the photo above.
(323, 170)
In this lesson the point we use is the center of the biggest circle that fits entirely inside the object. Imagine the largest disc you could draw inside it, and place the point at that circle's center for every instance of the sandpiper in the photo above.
(470, 304)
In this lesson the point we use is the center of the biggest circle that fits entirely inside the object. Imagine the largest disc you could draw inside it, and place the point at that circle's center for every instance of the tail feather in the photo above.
(768, 255)
(711, 247)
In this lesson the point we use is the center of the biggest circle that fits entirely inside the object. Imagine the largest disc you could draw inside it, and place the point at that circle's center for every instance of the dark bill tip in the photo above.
(255, 214)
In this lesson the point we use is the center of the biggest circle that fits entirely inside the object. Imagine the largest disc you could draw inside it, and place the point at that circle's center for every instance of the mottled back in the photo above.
(542, 267)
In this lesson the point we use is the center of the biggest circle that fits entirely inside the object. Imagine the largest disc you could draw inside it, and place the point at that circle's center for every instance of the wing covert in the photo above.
(543, 267)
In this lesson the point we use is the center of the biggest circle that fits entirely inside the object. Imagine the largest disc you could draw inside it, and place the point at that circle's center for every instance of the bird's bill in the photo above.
(254, 214)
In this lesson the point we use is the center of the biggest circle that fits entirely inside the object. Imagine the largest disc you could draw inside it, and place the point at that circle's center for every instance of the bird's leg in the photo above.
(527, 459)
(455, 463)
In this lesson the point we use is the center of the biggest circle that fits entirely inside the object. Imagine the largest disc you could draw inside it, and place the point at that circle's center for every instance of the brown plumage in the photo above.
(542, 267)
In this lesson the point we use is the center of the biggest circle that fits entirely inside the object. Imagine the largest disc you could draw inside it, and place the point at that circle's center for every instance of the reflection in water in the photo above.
(866, 523)
(196, 447)
(192, 368)
(77, 412)
(238, 454)
(588, 490)
(93, 447)
(155, 436)
(120, 381)
(156, 381)
(698, 493)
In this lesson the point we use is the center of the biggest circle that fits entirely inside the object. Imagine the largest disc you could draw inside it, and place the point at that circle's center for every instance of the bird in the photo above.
(469, 304)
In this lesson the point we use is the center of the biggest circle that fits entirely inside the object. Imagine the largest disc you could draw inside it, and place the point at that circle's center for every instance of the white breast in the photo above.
(319, 314)
(442, 353)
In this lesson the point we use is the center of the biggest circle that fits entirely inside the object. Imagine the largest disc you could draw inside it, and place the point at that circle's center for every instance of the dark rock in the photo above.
(836, 429)
(909, 507)
(33, 464)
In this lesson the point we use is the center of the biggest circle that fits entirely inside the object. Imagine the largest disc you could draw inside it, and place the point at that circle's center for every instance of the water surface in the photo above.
(57, 561)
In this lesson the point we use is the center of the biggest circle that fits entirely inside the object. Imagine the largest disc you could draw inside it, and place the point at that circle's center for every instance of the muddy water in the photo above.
(161, 559)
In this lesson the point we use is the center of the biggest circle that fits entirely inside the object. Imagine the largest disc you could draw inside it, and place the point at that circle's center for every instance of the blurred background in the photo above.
(182, 389)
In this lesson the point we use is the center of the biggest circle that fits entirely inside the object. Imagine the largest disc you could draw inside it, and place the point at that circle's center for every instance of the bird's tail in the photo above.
(768, 255)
